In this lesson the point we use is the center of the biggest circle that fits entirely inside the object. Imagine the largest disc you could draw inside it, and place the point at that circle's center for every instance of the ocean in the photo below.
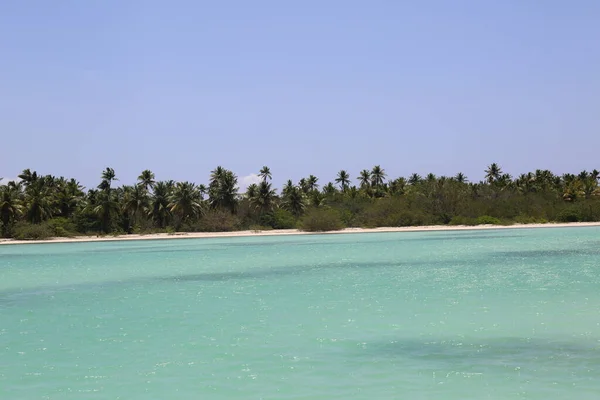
(477, 314)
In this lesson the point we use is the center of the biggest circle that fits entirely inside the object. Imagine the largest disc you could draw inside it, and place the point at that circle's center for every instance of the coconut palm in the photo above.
(10, 207)
(265, 173)
(461, 178)
(38, 202)
(146, 179)
(303, 184)
(343, 179)
(294, 200)
(136, 203)
(216, 175)
(202, 189)
(311, 182)
(28, 177)
(398, 186)
(263, 198)
(493, 173)
(414, 179)
(185, 202)
(222, 190)
(287, 188)
(251, 191)
(108, 176)
(104, 204)
(377, 176)
(364, 179)
(329, 189)
(159, 209)
(68, 196)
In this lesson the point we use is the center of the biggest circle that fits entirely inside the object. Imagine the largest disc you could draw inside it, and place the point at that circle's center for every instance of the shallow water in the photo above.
(500, 314)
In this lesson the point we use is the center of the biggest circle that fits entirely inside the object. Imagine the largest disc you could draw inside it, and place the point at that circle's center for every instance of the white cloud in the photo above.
(248, 180)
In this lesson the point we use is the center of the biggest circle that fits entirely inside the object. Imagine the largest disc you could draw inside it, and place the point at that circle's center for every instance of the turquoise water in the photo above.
(499, 314)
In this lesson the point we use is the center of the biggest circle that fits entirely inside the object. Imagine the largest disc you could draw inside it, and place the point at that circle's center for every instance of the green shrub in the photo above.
(27, 231)
(283, 219)
(411, 218)
(62, 227)
(460, 220)
(321, 220)
(217, 221)
(569, 215)
(487, 220)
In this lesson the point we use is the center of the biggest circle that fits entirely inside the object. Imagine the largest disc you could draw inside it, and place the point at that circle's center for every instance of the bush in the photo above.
(460, 220)
(217, 221)
(487, 220)
(283, 219)
(27, 231)
(569, 215)
(321, 220)
(411, 218)
(62, 227)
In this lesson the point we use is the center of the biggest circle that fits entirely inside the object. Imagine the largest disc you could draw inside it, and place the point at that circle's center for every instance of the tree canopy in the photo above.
(45, 205)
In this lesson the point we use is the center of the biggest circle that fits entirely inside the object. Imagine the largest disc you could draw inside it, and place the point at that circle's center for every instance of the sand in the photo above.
(198, 235)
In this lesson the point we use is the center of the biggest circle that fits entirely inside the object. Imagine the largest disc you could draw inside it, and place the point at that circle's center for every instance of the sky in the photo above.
(305, 87)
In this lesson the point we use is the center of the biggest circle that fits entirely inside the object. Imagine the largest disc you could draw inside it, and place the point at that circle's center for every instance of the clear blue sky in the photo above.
(305, 87)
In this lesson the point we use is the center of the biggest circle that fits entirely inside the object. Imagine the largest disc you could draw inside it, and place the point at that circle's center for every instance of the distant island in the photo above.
(39, 207)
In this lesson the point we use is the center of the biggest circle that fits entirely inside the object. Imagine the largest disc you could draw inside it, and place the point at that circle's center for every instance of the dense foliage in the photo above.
(40, 206)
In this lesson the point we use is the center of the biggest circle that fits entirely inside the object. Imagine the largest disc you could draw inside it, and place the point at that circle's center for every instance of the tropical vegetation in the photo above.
(38, 206)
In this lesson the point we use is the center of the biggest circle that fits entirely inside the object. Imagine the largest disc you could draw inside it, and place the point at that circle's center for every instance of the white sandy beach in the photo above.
(199, 235)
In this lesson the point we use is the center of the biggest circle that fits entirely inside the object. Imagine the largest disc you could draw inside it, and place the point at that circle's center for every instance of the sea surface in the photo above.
(493, 314)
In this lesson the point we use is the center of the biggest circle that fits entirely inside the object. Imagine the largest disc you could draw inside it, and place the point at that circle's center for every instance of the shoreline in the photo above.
(282, 232)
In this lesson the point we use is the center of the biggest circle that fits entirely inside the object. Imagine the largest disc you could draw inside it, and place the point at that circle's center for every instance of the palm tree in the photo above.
(414, 179)
(203, 190)
(146, 179)
(28, 177)
(377, 176)
(504, 181)
(137, 202)
(287, 188)
(312, 183)
(303, 184)
(265, 173)
(329, 189)
(10, 208)
(364, 179)
(216, 175)
(251, 191)
(343, 179)
(263, 198)
(223, 189)
(185, 202)
(461, 178)
(108, 176)
(38, 202)
(69, 196)
(159, 204)
(294, 200)
(106, 207)
(398, 186)
(493, 173)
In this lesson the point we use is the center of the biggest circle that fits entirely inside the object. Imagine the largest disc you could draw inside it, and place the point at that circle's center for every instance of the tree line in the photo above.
(39, 206)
